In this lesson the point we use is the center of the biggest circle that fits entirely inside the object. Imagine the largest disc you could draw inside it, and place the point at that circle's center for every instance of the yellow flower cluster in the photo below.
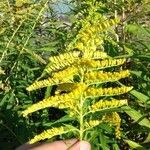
(93, 123)
(85, 64)
(49, 102)
(20, 3)
(99, 55)
(64, 57)
(44, 83)
(100, 64)
(78, 91)
(59, 101)
(106, 104)
(97, 27)
(62, 61)
(96, 92)
(66, 74)
(57, 78)
(114, 119)
(88, 36)
(100, 77)
(95, 54)
(48, 134)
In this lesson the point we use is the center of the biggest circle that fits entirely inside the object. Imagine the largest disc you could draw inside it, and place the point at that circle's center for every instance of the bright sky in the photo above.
(61, 6)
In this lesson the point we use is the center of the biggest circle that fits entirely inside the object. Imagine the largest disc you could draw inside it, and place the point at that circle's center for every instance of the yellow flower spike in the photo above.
(79, 46)
(66, 74)
(101, 77)
(96, 92)
(42, 83)
(106, 24)
(85, 63)
(109, 63)
(65, 56)
(60, 66)
(48, 134)
(62, 61)
(49, 102)
(54, 101)
(99, 55)
(57, 78)
(105, 104)
(93, 123)
(101, 64)
(114, 119)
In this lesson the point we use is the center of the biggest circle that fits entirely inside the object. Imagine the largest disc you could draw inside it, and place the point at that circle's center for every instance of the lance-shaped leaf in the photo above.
(65, 87)
(52, 132)
(96, 92)
(135, 145)
(103, 77)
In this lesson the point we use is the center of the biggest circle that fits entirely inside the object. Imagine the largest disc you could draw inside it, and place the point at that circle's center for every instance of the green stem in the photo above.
(81, 110)
(81, 119)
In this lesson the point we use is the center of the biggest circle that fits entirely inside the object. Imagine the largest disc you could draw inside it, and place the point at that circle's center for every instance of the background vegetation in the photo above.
(31, 31)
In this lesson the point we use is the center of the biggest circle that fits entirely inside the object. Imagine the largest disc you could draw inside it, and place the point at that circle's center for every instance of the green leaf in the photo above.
(140, 74)
(134, 145)
(61, 120)
(128, 50)
(140, 96)
(103, 142)
(138, 117)
(147, 140)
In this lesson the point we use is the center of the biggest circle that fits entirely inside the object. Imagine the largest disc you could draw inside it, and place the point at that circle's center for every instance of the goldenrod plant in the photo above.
(84, 81)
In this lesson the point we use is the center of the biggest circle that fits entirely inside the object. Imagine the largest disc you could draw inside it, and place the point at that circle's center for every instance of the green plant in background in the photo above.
(27, 37)
(82, 77)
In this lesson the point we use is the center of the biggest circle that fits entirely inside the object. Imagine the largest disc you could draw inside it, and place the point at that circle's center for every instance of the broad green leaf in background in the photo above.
(134, 145)
(137, 116)
(140, 96)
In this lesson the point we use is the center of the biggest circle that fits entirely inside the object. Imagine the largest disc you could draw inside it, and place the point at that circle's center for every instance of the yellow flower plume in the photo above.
(96, 92)
(68, 100)
(114, 119)
(101, 77)
(57, 78)
(62, 61)
(100, 64)
(107, 104)
(76, 75)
